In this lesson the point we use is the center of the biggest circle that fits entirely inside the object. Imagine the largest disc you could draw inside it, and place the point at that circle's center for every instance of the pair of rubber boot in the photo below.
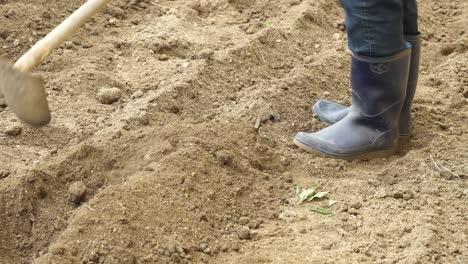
(380, 115)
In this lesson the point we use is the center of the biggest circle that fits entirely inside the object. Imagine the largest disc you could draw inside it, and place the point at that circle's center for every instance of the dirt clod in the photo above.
(13, 130)
(244, 233)
(205, 54)
(109, 95)
(77, 192)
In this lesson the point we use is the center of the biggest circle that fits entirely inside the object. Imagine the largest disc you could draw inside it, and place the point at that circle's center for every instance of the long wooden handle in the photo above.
(42, 49)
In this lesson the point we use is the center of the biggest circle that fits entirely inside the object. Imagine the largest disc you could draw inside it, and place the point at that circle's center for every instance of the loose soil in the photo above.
(176, 171)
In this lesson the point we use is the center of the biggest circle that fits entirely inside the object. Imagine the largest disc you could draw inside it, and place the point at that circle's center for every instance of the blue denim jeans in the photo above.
(376, 28)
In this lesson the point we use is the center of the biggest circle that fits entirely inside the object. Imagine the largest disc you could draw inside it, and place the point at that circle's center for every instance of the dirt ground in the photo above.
(174, 171)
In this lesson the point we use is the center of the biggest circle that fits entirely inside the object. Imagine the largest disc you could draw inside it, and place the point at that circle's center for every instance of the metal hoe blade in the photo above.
(24, 94)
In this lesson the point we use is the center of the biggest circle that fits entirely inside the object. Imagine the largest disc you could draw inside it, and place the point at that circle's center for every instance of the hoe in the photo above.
(24, 93)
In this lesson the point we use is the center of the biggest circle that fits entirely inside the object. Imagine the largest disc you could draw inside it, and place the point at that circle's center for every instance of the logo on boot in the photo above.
(380, 68)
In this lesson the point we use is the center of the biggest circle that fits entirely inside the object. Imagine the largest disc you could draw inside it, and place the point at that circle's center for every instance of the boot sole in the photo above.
(363, 156)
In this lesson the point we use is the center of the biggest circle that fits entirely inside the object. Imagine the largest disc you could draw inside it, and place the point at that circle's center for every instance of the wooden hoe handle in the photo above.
(42, 49)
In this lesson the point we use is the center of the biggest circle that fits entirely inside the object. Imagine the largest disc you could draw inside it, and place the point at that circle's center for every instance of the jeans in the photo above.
(376, 28)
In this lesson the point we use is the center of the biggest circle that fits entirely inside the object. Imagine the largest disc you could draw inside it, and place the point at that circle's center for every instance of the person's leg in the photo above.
(379, 74)
(410, 17)
(375, 28)
(330, 112)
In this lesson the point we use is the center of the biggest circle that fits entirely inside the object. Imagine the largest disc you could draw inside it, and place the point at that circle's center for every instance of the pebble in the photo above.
(309, 59)
(2, 102)
(465, 192)
(353, 211)
(13, 130)
(175, 258)
(337, 36)
(465, 92)
(244, 233)
(446, 173)
(294, 2)
(109, 95)
(4, 174)
(77, 192)
(235, 247)
(356, 205)
(137, 94)
(163, 57)
(340, 25)
(56, 250)
(408, 195)
(244, 220)
(205, 54)
(255, 235)
(398, 195)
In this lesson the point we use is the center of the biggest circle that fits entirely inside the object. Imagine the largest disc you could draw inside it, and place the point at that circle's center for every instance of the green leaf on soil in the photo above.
(298, 191)
(304, 195)
(322, 211)
(318, 196)
(331, 203)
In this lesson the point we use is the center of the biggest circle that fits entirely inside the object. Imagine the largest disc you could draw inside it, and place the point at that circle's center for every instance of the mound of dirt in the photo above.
(172, 140)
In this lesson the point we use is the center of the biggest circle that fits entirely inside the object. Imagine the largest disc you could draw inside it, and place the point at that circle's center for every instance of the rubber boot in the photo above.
(370, 129)
(330, 112)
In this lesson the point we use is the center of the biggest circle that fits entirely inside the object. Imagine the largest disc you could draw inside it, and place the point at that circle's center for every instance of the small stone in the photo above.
(179, 250)
(175, 257)
(244, 220)
(328, 246)
(380, 194)
(356, 205)
(4, 174)
(255, 235)
(148, 259)
(408, 195)
(137, 94)
(68, 45)
(77, 192)
(465, 192)
(203, 246)
(163, 57)
(309, 59)
(353, 211)
(56, 250)
(14, 130)
(109, 95)
(465, 92)
(244, 233)
(340, 25)
(398, 195)
(172, 249)
(225, 248)
(446, 173)
(337, 36)
(235, 247)
(205, 54)
(302, 230)
(294, 2)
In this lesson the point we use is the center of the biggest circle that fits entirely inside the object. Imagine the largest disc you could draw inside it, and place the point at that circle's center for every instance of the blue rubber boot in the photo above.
(370, 129)
(330, 112)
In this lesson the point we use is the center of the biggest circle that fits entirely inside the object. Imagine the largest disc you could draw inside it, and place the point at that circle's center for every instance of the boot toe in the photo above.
(313, 142)
(329, 112)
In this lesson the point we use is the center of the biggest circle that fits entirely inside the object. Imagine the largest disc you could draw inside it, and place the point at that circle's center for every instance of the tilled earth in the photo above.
(172, 140)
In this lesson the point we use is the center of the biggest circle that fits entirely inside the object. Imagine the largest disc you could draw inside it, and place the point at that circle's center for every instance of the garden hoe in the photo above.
(25, 94)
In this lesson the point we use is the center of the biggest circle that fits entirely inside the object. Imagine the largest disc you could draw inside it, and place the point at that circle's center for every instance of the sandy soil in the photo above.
(174, 171)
